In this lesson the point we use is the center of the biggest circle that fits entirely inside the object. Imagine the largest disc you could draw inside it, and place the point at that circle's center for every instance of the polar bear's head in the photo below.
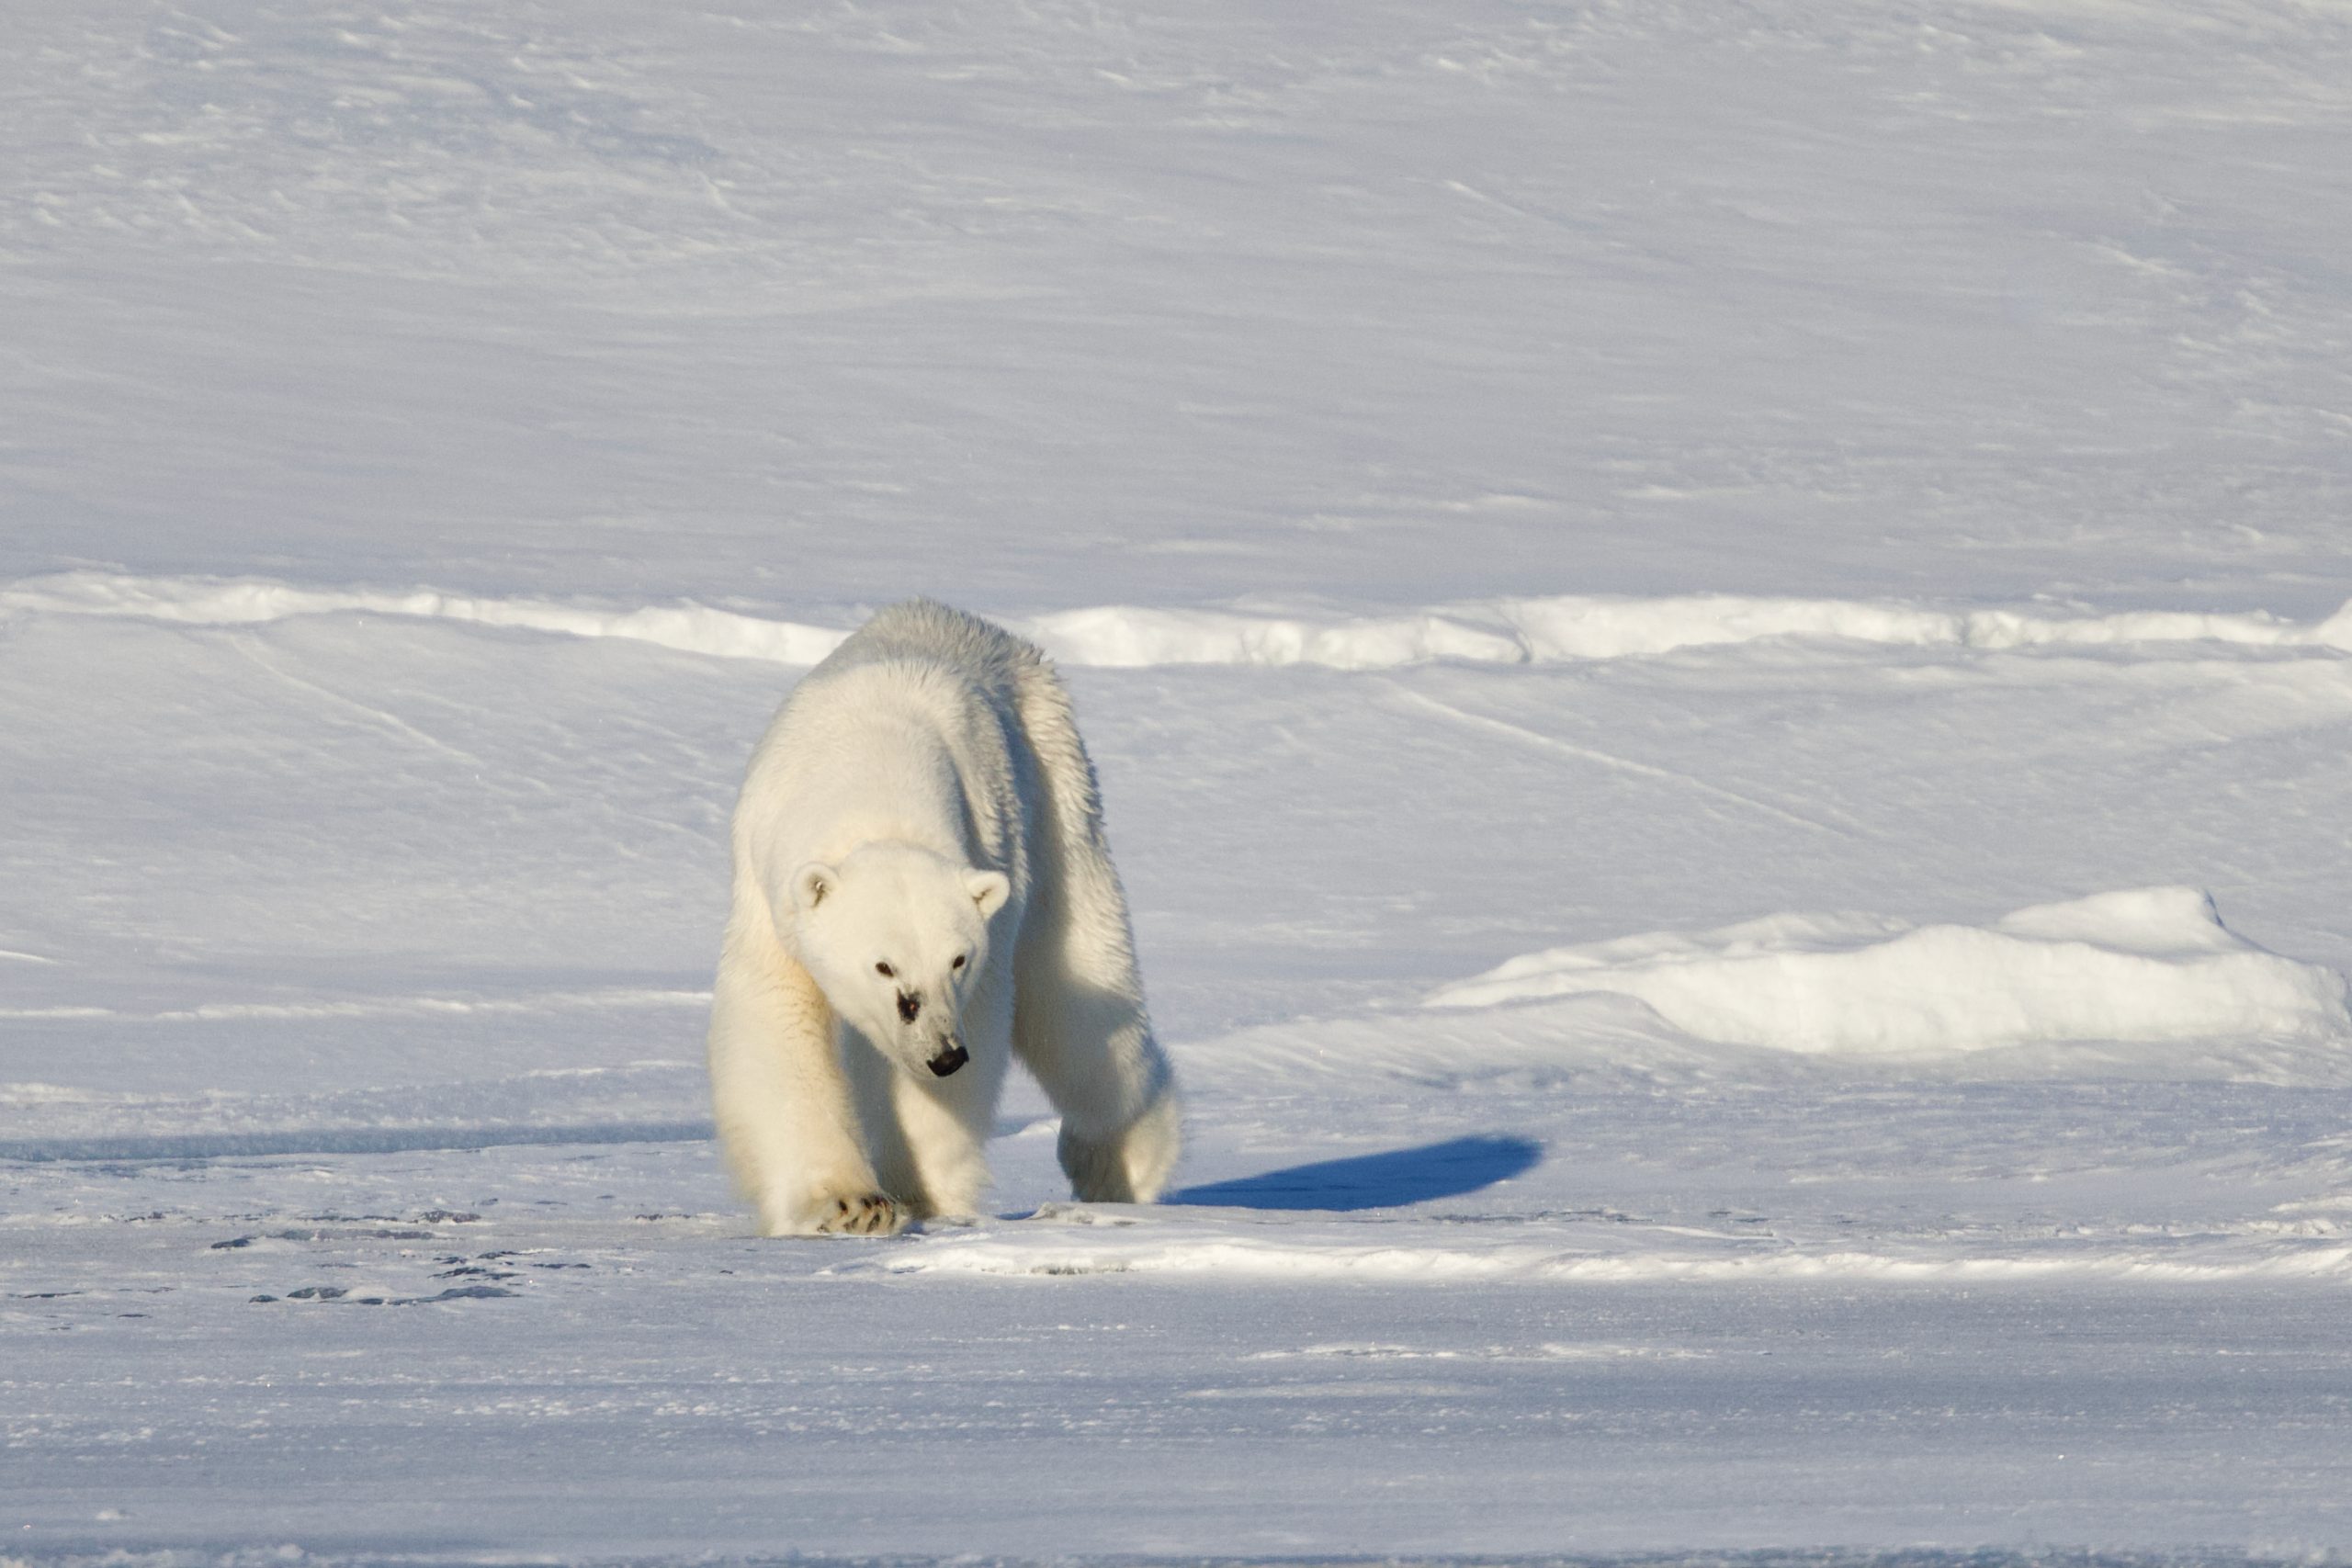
(896, 936)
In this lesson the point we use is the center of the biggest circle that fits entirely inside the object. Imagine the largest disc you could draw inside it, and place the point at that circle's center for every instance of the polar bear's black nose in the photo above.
(947, 1061)
(909, 1005)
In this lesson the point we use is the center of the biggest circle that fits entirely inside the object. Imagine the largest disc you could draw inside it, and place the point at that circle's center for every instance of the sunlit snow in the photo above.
(1719, 641)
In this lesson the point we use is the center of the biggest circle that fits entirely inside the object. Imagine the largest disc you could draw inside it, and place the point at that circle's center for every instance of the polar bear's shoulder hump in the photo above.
(924, 631)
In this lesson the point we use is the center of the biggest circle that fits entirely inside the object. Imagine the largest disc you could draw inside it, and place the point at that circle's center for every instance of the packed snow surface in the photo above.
(1536, 502)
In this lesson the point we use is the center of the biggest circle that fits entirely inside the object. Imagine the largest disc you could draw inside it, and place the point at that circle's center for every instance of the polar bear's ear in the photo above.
(811, 883)
(990, 889)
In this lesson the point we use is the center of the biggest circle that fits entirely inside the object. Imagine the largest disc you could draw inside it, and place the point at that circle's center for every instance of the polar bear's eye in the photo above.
(885, 971)
(958, 963)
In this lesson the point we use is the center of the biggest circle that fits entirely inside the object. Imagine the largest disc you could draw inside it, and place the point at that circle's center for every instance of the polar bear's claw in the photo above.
(871, 1214)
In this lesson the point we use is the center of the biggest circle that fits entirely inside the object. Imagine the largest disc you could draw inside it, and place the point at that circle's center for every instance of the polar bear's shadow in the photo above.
(1385, 1181)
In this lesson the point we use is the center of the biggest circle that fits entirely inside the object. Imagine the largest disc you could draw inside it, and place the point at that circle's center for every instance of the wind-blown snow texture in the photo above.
(1720, 644)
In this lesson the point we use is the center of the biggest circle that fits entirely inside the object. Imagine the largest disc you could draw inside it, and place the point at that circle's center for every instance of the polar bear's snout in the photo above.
(950, 1053)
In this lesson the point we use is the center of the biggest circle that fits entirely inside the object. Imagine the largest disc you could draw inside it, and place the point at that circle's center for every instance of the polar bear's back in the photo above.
(924, 631)
(919, 728)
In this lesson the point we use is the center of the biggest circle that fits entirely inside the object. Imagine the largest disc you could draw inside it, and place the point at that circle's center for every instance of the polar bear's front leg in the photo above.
(1079, 1019)
(782, 1101)
(944, 1123)
(1127, 1164)
(1080, 1027)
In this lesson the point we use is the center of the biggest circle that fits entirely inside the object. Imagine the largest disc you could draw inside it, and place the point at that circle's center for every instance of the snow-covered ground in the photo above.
(1717, 639)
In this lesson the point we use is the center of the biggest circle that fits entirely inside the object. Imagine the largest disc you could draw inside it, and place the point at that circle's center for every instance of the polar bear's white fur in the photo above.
(922, 893)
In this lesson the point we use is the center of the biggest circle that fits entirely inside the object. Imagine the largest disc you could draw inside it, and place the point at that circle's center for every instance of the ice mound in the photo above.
(2151, 965)
(1503, 631)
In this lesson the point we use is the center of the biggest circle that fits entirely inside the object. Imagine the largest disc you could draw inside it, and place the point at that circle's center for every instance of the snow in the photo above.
(1127, 636)
(2149, 965)
(1692, 620)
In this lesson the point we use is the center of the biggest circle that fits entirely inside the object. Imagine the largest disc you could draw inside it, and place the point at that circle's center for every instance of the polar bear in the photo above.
(922, 893)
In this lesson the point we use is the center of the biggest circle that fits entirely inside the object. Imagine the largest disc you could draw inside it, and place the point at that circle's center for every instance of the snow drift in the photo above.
(1622, 1254)
(1502, 631)
(196, 601)
(2151, 965)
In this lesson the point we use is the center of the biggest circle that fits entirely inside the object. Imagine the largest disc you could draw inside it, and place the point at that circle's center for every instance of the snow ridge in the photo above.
(2145, 965)
(1174, 1247)
(1557, 629)
(252, 600)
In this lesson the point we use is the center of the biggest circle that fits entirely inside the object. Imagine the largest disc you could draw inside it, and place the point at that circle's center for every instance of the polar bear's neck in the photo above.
(887, 753)
(904, 791)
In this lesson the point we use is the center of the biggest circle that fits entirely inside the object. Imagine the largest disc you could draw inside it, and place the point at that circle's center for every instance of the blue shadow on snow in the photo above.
(1373, 1181)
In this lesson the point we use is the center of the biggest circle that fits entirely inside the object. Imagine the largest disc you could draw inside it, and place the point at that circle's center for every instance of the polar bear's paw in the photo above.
(1129, 1167)
(869, 1213)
